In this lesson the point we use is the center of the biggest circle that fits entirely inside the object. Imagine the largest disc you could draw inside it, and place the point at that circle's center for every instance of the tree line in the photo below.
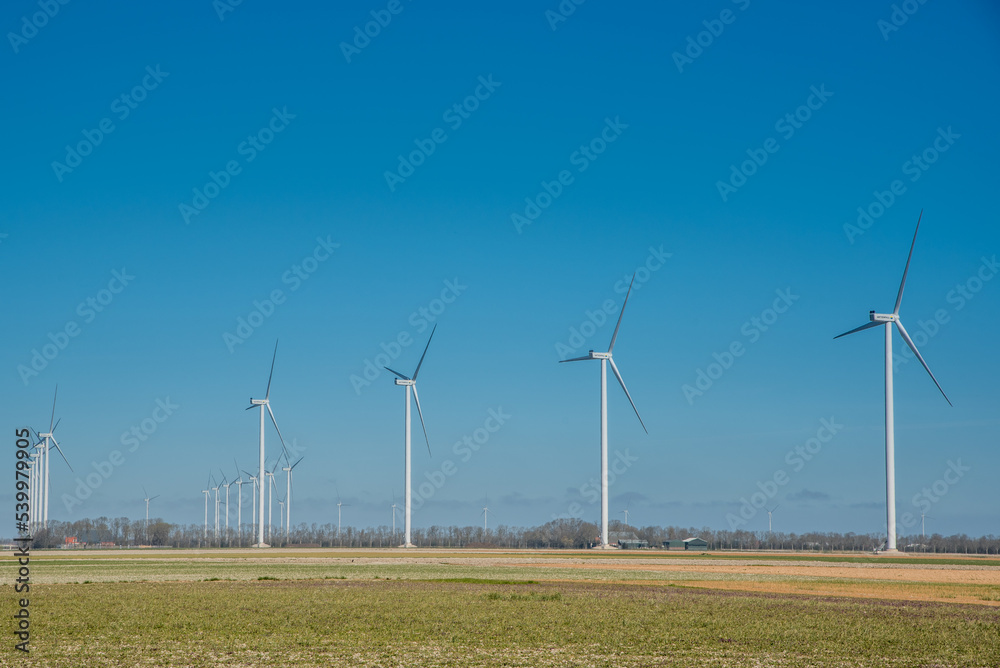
(557, 534)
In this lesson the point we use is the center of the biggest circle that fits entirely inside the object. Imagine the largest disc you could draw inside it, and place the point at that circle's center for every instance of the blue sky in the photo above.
(642, 140)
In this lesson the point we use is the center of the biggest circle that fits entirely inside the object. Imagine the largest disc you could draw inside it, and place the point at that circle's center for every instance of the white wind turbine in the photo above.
(887, 320)
(35, 490)
(411, 384)
(625, 512)
(339, 504)
(147, 499)
(769, 511)
(265, 404)
(486, 512)
(216, 490)
(394, 515)
(206, 492)
(288, 494)
(226, 483)
(239, 503)
(922, 516)
(605, 359)
(270, 494)
(44, 439)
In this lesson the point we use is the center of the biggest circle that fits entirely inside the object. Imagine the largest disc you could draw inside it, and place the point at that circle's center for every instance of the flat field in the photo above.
(310, 607)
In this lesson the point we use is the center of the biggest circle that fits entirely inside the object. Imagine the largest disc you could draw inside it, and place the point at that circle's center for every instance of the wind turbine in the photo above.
(288, 495)
(339, 504)
(147, 499)
(394, 514)
(270, 494)
(886, 320)
(769, 511)
(486, 512)
(409, 384)
(206, 492)
(625, 512)
(239, 502)
(265, 404)
(923, 535)
(605, 359)
(44, 443)
(35, 490)
(216, 490)
(226, 483)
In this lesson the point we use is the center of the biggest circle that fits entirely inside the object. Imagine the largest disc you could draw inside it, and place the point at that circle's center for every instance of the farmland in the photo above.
(520, 608)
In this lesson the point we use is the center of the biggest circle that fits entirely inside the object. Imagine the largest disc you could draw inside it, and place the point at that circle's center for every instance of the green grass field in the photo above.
(486, 609)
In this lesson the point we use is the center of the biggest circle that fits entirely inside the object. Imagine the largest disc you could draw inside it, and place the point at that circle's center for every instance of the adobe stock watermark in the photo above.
(958, 297)
(88, 310)
(594, 320)
(796, 459)
(223, 7)
(464, 450)
(581, 159)
(900, 14)
(564, 10)
(381, 18)
(131, 439)
(454, 116)
(914, 168)
(714, 28)
(121, 107)
(925, 499)
(421, 320)
(249, 149)
(753, 329)
(618, 465)
(31, 25)
(294, 277)
(787, 126)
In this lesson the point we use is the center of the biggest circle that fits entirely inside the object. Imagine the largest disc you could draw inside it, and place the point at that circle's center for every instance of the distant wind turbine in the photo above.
(922, 516)
(339, 504)
(206, 492)
(889, 319)
(239, 502)
(411, 384)
(769, 516)
(147, 499)
(265, 404)
(625, 512)
(486, 512)
(288, 495)
(44, 439)
(605, 359)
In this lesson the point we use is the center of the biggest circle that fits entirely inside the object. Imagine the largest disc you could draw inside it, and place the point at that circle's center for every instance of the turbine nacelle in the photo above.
(882, 317)
(599, 356)
(404, 382)
(258, 402)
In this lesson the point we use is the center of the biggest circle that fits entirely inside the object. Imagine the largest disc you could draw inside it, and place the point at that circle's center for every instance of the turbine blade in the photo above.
(618, 375)
(867, 325)
(614, 336)
(268, 392)
(251, 406)
(145, 494)
(576, 359)
(397, 373)
(53, 418)
(56, 443)
(425, 354)
(416, 398)
(775, 508)
(154, 497)
(909, 342)
(899, 297)
(56, 426)
(275, 423)
(296, 463)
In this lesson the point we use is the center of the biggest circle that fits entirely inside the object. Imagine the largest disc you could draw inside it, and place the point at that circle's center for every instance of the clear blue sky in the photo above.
(879, 97)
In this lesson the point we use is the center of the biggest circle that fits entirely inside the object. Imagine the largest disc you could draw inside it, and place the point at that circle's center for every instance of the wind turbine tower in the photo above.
(606, 359)
(887, 320)
(411, 385)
